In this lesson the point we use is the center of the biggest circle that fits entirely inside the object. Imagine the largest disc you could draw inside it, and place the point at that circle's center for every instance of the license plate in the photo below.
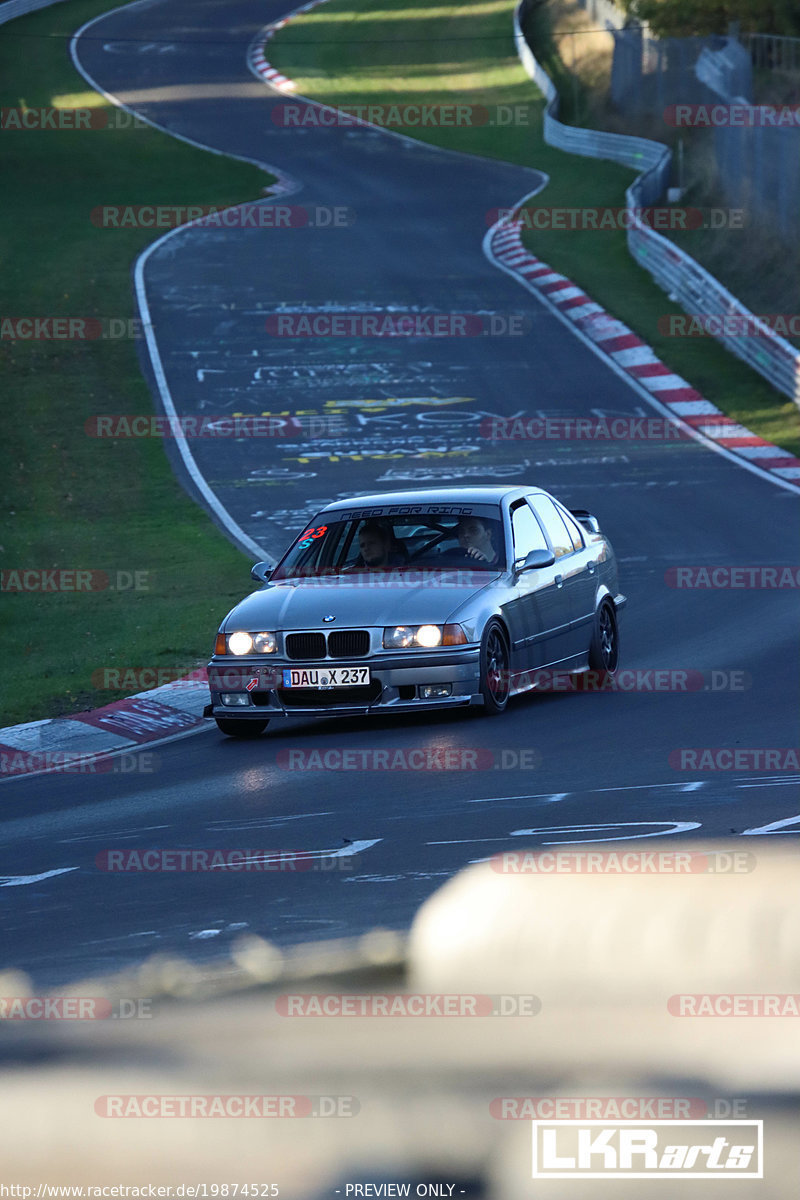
(325, 677)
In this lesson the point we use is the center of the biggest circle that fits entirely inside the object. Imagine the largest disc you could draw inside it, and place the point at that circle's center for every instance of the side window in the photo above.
(526, 532)
(572, 528)
(556, 529)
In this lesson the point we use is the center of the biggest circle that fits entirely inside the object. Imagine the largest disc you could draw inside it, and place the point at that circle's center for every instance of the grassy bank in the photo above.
(578, 56)
(356, 52)
(70, 501)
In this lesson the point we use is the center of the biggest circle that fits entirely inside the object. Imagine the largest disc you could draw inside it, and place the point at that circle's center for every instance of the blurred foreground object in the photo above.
(607, 957)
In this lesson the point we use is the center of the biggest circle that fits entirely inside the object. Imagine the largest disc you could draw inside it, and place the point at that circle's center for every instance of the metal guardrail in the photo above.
(604, 10)
(19, 8)
(772, 51)
(675, 271)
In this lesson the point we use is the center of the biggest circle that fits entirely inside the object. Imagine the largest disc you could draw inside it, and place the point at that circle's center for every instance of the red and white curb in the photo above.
(258, 60)
(636, 359)
(87, 742)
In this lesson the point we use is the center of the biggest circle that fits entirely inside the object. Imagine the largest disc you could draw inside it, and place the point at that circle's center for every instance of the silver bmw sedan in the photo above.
(406, 601)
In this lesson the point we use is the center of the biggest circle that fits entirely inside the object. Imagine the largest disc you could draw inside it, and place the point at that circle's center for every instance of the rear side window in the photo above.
(557, 531)
(572, 528)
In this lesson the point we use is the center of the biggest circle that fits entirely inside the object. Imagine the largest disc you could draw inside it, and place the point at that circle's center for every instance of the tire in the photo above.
(604, 648)
(495, 669)
(246, 728)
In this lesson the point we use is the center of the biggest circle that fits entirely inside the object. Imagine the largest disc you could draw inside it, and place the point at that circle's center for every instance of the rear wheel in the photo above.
(241, 729)
(495, 669)
(604, 650)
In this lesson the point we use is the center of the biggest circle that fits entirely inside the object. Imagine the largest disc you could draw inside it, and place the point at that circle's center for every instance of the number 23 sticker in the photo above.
(309, 535)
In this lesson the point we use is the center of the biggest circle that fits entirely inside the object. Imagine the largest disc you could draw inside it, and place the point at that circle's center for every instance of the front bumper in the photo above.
(396, 682)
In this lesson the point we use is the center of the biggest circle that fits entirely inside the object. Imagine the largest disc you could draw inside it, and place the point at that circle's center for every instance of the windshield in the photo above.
(376, 545)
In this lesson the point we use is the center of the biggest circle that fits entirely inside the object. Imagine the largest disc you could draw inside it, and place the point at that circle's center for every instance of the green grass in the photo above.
(355, 52)
(68, 500)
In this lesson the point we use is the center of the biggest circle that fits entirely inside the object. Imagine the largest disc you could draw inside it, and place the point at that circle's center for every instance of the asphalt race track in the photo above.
(568, 768)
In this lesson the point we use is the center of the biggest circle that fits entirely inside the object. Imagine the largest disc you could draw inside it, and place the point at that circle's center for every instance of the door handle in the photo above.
(590, 567)
(559, 580)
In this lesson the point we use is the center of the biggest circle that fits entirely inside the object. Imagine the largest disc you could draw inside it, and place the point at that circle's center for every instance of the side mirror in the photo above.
(261, 571)
(534, 560)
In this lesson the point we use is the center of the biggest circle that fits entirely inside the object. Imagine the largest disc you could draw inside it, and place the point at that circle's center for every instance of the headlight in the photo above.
(240, 643)
(250, 643)
(403, 637)
(264, 643)
(399, 637)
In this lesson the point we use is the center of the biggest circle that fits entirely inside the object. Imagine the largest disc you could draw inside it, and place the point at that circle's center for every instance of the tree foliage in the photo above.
(683, 18)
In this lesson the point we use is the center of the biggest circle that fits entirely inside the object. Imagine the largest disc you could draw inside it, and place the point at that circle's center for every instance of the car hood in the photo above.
(370, 602)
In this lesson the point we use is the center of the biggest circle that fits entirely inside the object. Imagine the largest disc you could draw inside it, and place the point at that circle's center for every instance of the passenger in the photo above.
(378, 547)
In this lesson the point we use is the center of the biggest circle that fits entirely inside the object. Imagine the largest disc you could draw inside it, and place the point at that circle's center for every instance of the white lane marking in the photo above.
(243, 539)
(121, 937)
(631, 787)
(222, 826)
(22, 880)
(280, 856)
(548, 797)
(409, 875)
(773, 827)
(673, 827)
(104, 837)
(790, 779)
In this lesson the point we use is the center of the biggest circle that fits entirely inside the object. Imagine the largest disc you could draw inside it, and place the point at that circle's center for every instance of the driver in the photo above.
(474, 537)
(378, 547)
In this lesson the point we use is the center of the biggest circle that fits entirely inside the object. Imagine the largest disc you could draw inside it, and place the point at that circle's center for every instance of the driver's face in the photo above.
(473, 533)
(374, 549)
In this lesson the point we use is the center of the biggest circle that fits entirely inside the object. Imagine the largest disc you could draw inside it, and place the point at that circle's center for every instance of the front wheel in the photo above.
(495, 669)
(604, 649)
(241, 729)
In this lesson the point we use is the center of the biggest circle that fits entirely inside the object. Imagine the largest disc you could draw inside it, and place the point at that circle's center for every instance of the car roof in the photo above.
(482, 494)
